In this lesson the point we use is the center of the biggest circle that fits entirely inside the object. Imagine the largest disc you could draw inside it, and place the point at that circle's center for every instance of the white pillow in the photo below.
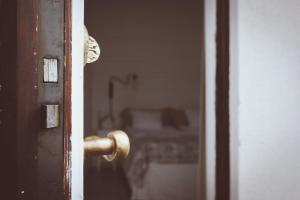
(146, 119)
(193, 117)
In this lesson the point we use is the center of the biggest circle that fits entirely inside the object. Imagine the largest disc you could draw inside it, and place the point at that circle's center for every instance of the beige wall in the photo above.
(158, 40)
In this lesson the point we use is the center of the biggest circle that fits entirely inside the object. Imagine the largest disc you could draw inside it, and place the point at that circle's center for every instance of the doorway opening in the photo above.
(149, 83)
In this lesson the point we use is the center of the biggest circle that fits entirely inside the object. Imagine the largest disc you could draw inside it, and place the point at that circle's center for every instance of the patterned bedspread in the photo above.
(164, 147)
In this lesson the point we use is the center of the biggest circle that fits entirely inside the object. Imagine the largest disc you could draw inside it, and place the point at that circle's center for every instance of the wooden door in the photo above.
(41, 163)
(36, 40)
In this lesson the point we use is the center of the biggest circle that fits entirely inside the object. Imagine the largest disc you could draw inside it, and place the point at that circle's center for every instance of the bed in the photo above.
(163, 159)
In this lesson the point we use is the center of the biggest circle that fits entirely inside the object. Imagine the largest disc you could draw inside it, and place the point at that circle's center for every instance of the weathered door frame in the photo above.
(222, 102)
(217, 74)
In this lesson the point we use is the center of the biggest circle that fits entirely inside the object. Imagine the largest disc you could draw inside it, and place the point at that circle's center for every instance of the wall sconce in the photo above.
(130, 80)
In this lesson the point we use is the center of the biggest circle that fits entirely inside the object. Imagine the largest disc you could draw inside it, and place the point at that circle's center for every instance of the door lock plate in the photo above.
(50, 70)
(50, 115)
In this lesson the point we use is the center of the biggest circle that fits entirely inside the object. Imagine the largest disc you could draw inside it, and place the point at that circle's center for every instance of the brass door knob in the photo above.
(115, 145)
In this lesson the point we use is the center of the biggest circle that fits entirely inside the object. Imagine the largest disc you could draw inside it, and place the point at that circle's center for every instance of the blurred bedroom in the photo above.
(147, 82)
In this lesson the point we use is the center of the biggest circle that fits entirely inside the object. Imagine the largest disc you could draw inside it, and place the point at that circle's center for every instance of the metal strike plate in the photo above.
(50, 115)
(50, 70)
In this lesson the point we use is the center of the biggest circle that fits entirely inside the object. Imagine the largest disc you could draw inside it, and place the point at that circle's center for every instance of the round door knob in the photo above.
(115, 145)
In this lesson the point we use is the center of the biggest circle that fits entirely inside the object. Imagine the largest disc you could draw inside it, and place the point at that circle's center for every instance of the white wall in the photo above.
(265, 107)
(158, 40)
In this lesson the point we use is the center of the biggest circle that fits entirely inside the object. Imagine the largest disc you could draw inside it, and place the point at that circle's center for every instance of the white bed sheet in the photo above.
(165, 181)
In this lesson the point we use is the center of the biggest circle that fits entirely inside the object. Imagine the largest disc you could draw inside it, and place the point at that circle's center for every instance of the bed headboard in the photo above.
(155, 118)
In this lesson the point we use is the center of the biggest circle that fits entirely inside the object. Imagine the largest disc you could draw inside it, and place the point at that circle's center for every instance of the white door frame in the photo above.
(210, 29)
(77, 114)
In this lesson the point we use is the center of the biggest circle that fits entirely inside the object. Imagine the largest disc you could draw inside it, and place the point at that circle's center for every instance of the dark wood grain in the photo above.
(34, 164)
(222, 103)
(67, 99)
(27, 123)
(8, 97)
